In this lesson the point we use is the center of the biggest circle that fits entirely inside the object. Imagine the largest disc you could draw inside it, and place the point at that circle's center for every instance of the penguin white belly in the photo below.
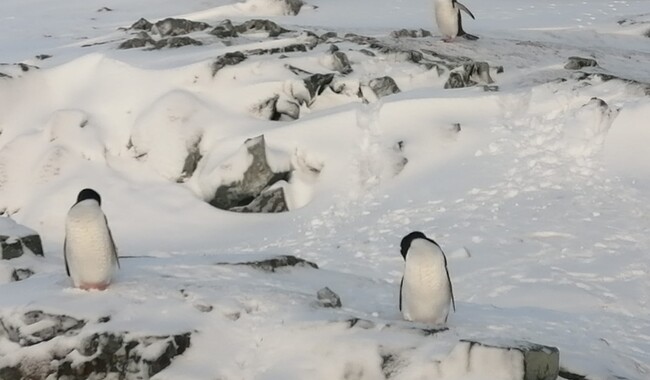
(425, 292)
(89, 250)
(446, 18)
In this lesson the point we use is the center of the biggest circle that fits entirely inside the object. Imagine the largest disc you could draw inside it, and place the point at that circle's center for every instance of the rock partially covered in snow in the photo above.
(577, 63)
(36, 327)
(257, 177)
(14, 238)
(177, 27)
(383, 86)
(270, 200)
(503, 360)
(258, 25)
(410, 33)
(277, 262)
(585, 133)
(327, 298)
(228, 59)
(469, 74)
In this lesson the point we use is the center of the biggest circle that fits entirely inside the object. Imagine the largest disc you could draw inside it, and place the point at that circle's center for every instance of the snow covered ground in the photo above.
(541, 200)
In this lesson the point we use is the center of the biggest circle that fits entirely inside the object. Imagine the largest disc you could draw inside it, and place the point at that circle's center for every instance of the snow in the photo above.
(540, 201)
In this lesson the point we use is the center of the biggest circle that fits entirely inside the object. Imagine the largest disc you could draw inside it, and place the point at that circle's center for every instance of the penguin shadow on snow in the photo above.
(449, 20)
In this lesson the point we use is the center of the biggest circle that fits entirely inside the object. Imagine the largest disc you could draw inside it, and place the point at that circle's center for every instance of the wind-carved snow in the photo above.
(537, 192)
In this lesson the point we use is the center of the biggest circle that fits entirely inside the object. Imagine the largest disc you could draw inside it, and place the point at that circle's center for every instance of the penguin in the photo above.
(425, 291)
(89, 250)
(449, 20)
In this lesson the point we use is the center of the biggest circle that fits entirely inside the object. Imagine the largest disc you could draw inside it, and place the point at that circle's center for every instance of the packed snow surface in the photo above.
(539, 193)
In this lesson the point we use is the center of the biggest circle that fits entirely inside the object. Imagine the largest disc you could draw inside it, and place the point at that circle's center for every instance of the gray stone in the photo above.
(317, 83)
(269, 201)
(469, 74)
(280, 50)
(327, 298)
(137, 42)
(225, 29)
(258, 25)
(341, 62)
(257, 177)
(577, 63)
(191, 161)
(402, 33)
(176, 42)
(20, 274)
(178, 27)
(383, 86)
(14, 238)
(277, 262)
(142, 24)
(228, 59)
(537, 361)
(268, 109)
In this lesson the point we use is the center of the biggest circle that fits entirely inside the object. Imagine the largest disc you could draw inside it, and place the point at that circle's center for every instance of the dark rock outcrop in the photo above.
(142, 24)
(577, 63)
(275, 263)
(228, 59)
(225, 29)
(138, 42)
(256, 179)
(268, 201)
(258, 25)
(176, 42)
(317, 83)
(469, 74)
(20, 274)
(177, 27)
(14, 238)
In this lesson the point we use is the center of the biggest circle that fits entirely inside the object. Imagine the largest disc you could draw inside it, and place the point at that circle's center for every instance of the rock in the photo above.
(43, 57)
(41, 327)
(137, 42)
(469, 74)
(228, 59)
(275, 263)
(383, 86)
(410, 33)
(268, 109)
(292, 6)
(191, 161)
(177, 27)
(327, 36)
(257, 177)
(14, 238)
(224, 29)
(577, 63)
(258, 25)
(20, 274)
(176, 42)
(278, 50)
(317, 83)
(142, 24)
(517, 360)
(341, 62)
(11, 373)
(267, 202)
(327, 298)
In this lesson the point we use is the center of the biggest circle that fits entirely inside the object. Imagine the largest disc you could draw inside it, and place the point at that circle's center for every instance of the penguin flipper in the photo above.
(113, 247)
(451, 288)
(463, 8)
(400, 293)
(65, 256)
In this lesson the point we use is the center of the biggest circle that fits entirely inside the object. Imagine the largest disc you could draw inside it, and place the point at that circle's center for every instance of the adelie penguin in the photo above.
(425, 291)
(89, 249)
(449, 20)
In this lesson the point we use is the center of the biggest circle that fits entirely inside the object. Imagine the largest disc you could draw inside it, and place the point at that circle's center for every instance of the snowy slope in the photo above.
(541, 201)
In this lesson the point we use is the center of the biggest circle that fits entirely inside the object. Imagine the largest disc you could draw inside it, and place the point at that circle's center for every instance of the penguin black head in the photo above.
(408, 239)
(89, 194)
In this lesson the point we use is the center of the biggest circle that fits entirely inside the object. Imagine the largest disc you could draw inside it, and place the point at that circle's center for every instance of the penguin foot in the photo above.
(470, 37)
(93, 286)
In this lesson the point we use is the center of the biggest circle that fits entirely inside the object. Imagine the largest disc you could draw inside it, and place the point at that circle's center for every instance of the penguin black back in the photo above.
(408, 239)
(89, 194)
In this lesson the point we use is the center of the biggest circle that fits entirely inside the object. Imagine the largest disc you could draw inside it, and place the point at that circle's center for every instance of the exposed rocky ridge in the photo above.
(90, 355)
